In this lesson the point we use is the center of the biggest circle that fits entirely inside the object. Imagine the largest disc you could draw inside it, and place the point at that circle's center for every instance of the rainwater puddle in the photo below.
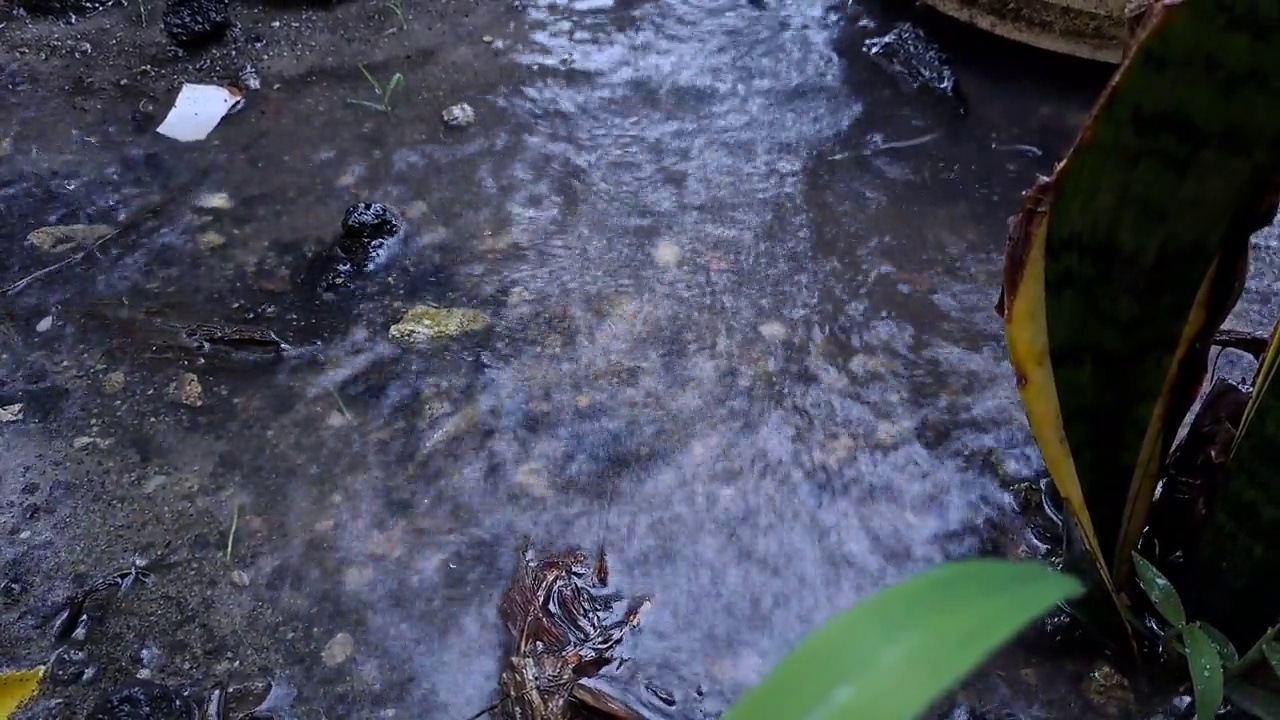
(743, 336)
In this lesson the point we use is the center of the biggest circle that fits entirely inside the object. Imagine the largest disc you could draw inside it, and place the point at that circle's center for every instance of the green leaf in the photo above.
(1160, 590)
(1271, 649)
(1226, 650)
(1255, 652)
(895, 652)
(1236, 578)
(1262, 704)
(1121, 267)
(1205, 667)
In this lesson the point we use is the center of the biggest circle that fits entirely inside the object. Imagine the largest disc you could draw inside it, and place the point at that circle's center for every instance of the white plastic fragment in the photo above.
(198, 110)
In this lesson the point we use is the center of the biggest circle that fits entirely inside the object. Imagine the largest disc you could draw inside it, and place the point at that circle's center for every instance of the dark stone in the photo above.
(143, 700)
(369, 232)
(192, 24)
(371, 220)
(908, 54)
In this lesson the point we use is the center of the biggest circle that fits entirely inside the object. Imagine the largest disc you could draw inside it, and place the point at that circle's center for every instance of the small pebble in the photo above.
(113, 383)
(337, 650)
(488, 39)
(249, 78)
(213, 201)
(356, 577)
(667, 254)
(239, 578)
(416, 209)
(154, 483)
(773, 330)
(187, 390)
(459, 116)
(210, 240)
(45, 324)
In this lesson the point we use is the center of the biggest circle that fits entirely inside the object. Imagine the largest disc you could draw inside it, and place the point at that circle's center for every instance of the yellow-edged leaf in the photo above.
(1027, 338)
(17, 687)
(1125, 262)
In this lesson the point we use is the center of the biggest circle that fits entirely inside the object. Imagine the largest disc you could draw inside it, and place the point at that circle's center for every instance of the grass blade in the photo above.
(933, 629)
(377, 86)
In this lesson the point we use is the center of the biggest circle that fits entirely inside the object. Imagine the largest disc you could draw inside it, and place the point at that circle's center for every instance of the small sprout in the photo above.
(397, 7)
(384, 91)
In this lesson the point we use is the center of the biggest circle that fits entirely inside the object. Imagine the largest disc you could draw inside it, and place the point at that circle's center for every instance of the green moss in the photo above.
(426, 323)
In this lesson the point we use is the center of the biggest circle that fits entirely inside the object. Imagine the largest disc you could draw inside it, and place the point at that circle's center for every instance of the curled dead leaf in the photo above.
(17, 688)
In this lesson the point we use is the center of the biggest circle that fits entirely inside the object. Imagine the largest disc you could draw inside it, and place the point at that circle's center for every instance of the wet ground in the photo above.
(741, 282)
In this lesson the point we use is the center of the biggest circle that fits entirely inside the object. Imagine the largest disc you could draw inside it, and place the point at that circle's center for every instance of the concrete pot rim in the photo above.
(1060, 26)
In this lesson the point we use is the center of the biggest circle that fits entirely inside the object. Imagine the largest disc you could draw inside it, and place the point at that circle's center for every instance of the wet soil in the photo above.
(741, 286)
(92, 477)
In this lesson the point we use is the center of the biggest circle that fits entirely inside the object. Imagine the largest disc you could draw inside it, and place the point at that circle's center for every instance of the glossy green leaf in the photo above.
(895, 652)
(1160, 590)
(1226, 650)
(1205, 667)
(1260, 703)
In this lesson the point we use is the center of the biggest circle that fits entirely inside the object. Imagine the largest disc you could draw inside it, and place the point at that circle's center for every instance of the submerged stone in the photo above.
(143, 700)
(371, 221)
(425, 323)
(369, 233)
(908, 54)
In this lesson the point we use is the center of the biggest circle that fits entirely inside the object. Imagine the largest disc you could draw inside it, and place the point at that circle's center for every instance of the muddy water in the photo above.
(742, 293)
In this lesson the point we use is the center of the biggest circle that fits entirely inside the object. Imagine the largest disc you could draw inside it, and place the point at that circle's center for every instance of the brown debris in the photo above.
(564, 630)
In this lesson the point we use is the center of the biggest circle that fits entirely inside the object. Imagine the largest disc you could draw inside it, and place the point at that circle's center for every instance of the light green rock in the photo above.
(426, 323)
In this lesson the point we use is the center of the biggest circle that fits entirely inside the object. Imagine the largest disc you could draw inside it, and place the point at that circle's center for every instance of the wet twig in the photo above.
(129, 223)
(508, 697)
(15, 287)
